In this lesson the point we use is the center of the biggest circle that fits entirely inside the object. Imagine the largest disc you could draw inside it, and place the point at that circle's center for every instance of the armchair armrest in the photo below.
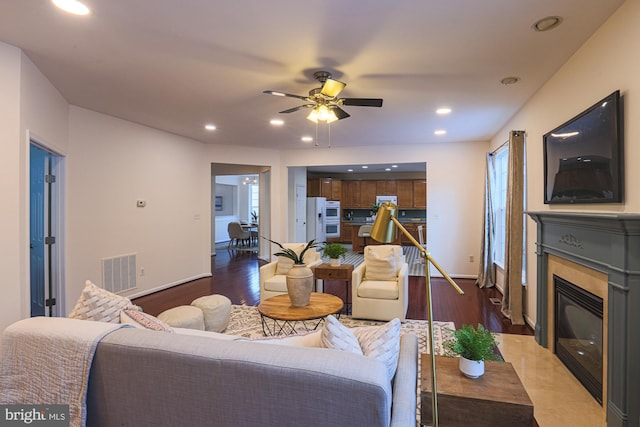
(267, 271)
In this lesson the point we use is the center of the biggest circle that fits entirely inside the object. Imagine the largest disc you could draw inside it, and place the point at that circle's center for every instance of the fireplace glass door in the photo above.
(578, 334)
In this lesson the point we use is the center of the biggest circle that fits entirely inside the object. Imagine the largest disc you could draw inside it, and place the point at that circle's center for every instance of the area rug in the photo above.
(245, 322)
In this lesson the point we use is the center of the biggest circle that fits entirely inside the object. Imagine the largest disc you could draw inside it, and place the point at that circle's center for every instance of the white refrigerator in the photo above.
(316, 219)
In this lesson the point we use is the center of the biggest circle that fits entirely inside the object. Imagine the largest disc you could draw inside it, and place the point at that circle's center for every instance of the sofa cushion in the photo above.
(381, 262)
(337, 336)
(378, 289)
(381, 343)
(99, 304)
(142, 320)
(277, 283)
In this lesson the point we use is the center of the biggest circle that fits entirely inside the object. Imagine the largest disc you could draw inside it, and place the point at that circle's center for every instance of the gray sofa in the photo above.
(147, 378)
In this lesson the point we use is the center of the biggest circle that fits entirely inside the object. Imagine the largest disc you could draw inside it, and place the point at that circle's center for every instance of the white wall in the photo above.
(11, 286)
(455, 192)
(113, 163)
(606, 62)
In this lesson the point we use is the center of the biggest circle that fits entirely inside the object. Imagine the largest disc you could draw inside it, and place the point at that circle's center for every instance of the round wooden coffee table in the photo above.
(279, 317)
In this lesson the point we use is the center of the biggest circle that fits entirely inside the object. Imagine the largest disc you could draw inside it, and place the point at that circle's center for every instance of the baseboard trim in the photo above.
(168, 285)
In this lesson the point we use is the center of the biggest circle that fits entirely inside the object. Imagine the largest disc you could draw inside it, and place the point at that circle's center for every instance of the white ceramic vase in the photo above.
(471, 368)
(334, 262)
(299, 285)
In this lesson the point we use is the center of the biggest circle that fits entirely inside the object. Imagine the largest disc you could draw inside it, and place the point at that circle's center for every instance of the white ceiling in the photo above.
(176, 65)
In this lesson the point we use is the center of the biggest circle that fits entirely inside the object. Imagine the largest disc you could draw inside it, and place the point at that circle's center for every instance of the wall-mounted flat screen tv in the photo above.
(583, 158)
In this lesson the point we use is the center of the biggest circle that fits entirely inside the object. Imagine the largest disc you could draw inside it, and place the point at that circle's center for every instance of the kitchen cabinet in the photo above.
(412, 228)
(358, 243)
(345, 232)
(420, 193)
(386, 188)
(324, 187)
(350, 194)
(336, 189)
(405, 193)
(368, 193)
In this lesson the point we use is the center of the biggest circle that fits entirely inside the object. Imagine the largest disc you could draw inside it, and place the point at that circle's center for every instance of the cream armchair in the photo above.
(380, 285)
(273, 276)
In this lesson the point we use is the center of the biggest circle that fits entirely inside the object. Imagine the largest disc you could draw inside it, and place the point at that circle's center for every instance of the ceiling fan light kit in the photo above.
(324, 100)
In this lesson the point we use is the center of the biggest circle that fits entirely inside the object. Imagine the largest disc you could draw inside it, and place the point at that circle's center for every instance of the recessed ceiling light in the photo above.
(349, 170)
(443, 110)
(365, 167)
(387, 169)
(439, 132)
(72, 6)
(306, 139)
(510, 80)
(277, 122)
(394, 166)
(210, 127)
(547, 23)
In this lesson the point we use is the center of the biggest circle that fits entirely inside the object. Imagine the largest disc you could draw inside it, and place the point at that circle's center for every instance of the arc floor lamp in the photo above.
(385, 230)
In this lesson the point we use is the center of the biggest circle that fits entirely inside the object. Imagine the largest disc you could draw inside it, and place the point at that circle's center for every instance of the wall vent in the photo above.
(119, 273)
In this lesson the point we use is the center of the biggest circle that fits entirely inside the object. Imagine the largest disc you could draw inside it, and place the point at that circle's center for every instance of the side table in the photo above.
(496, 399)
(341, 272)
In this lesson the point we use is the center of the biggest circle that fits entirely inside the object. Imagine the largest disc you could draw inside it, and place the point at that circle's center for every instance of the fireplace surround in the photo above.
(605, 250)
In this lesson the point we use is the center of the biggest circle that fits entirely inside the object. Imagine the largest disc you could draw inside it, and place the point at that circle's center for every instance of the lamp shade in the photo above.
(384, 229)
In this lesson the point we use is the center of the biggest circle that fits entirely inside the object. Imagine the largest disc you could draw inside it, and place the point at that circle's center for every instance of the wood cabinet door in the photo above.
(345, 232)
(368, 190)
(420, 193)
(336, 189)
(313, 187)
(405, 193)
(386, 188)
(350, 194)
(325, 188)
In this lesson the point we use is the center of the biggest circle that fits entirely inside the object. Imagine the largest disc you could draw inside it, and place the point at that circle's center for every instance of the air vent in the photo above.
(119, 273)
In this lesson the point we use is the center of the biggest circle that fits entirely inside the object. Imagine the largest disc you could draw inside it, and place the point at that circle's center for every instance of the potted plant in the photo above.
(254, 217)
(474, 346)
(334, 251)
(299, 277)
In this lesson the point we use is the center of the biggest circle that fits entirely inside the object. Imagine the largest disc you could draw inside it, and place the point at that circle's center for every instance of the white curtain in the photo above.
(512, 296)
(486, 273)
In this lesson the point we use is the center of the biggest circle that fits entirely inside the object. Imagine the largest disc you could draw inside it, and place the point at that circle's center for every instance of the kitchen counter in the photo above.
(401, 219)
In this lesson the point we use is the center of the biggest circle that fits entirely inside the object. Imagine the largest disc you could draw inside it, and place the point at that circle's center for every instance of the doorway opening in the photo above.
(45, 219)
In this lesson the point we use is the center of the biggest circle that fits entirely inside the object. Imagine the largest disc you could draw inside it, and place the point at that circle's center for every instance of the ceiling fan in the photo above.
(324, 100)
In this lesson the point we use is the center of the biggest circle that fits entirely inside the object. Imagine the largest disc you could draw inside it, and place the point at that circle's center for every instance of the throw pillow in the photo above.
(380, 263)
(286, 264)
(381, 343)
(143, 320)
(99, 304)
(337, 336)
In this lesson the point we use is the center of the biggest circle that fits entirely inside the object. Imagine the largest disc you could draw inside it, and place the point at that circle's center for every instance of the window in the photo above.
(500, 166)
(254, 203)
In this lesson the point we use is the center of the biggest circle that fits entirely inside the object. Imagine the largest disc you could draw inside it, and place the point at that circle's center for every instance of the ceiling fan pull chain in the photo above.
(329, 132)
(316, 144)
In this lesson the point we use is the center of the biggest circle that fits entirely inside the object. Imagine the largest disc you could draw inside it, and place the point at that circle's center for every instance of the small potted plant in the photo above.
(474, 346)
(254, 217)
(335, 251)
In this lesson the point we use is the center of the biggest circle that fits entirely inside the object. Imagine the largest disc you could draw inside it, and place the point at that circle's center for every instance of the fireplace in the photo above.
(599, 254)
(578, 334)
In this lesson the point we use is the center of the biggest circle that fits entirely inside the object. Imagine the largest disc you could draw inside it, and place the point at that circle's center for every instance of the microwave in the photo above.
(383, 199)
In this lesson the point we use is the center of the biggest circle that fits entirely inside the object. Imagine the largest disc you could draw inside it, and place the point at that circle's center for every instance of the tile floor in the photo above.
(559, 400)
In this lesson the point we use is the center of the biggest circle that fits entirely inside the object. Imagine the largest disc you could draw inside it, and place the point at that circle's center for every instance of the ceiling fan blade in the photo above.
(276, 93)
(340, 113)
(299, 107)
(362, 102)
(331, 88)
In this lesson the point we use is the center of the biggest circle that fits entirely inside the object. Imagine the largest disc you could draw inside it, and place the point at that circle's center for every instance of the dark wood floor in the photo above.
(235, 274)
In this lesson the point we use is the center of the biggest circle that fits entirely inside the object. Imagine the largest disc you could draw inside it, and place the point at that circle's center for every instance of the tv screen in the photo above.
(583, 157)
